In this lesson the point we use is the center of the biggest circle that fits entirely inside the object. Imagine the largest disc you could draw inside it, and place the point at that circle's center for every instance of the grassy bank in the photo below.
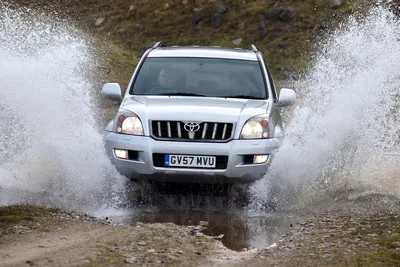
(285, 31)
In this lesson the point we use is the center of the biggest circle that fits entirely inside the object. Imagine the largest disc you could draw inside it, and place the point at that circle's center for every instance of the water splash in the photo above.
(49, 143)
(344, 133)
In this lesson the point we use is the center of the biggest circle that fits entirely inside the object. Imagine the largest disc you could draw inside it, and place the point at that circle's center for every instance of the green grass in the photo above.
(26, 215)
(10, 215)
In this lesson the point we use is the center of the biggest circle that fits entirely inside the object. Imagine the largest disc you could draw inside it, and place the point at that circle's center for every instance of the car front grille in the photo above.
(206, 131)
(159, 159)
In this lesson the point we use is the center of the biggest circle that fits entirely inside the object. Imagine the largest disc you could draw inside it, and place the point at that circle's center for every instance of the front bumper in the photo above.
(146, 159)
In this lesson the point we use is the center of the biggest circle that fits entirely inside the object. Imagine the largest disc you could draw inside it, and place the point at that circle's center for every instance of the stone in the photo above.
(242, 25)
(171, 257)
(263, 29)
(217, 20)
(237, 41)
(31, 263)
(280, 13)
(200, 25)
(121, 30)
(288, 15)
(335, 4)
(203, 223)
(131, 8)
(221, 9)
(151, 250)
(166, 6)
(201, 13)
(99, 21)
(130, 260)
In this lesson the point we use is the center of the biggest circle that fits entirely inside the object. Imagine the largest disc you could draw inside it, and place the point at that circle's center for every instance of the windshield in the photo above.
(200, 77)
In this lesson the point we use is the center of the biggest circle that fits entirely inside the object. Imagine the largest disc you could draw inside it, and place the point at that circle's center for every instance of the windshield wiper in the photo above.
(181, 94)
(243, 96)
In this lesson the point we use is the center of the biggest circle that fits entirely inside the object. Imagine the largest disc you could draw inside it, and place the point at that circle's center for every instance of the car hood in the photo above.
(194, 108)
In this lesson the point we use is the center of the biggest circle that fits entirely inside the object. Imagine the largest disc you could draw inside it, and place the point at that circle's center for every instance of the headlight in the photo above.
(255, 128)
(129, 123)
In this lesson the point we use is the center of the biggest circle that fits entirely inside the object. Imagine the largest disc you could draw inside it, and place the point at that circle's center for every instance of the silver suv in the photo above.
(197, 114)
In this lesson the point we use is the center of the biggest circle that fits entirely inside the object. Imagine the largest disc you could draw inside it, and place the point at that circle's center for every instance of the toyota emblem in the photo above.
(191, 126)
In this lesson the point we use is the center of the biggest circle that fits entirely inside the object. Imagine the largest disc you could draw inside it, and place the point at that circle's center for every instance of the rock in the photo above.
(280, 13)
(199, 234)
(185, 2)
(131, 8)
(31, 263)
(288, 15)
(242, 26)
(203, 223)
(217, 20)
(130, 260)
(273, 14)
(237, 41)
(198, 228)
(141, 243)
(219, 237)
(151, 250)
(202, 13)
(263, 29)
(221, 9)
(166, 6)
(283, 45)
(335, 4)
(17, 230)
(171, 257)
(200, 25)
(99, 21)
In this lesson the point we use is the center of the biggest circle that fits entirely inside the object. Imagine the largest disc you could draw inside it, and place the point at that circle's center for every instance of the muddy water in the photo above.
(235, 230)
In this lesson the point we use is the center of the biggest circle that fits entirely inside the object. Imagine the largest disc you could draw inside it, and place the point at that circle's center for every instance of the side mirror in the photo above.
(287, 97)
(112, 91)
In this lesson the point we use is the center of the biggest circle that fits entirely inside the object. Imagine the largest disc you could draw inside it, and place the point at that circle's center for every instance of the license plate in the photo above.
(190, 161)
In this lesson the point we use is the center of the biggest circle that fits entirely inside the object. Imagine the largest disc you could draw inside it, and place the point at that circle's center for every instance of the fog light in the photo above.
(122, 154)
(260, 159)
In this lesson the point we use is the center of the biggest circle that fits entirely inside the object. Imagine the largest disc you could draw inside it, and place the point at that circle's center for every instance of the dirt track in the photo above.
(339, 236)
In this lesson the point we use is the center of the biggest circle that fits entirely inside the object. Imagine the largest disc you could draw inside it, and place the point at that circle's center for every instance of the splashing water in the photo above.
(345, 132)
(49, 143)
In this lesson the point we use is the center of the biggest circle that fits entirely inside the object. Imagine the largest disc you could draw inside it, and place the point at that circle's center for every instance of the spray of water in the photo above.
(49, 144)
(344, 133)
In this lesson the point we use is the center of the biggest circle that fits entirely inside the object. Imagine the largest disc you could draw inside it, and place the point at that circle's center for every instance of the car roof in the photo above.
(204, 51)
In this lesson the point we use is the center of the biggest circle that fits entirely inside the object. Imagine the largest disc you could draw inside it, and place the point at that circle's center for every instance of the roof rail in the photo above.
(159, 44)
(254, 48)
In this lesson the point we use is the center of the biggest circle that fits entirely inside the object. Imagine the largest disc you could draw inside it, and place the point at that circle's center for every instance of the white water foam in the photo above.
(49, 142)
(344, 132)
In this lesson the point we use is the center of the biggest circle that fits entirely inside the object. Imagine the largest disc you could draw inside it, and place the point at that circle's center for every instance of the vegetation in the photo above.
(128, 27)
(25, 216)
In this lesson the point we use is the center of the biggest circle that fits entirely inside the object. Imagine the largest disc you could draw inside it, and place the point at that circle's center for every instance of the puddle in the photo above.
(240, 231)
